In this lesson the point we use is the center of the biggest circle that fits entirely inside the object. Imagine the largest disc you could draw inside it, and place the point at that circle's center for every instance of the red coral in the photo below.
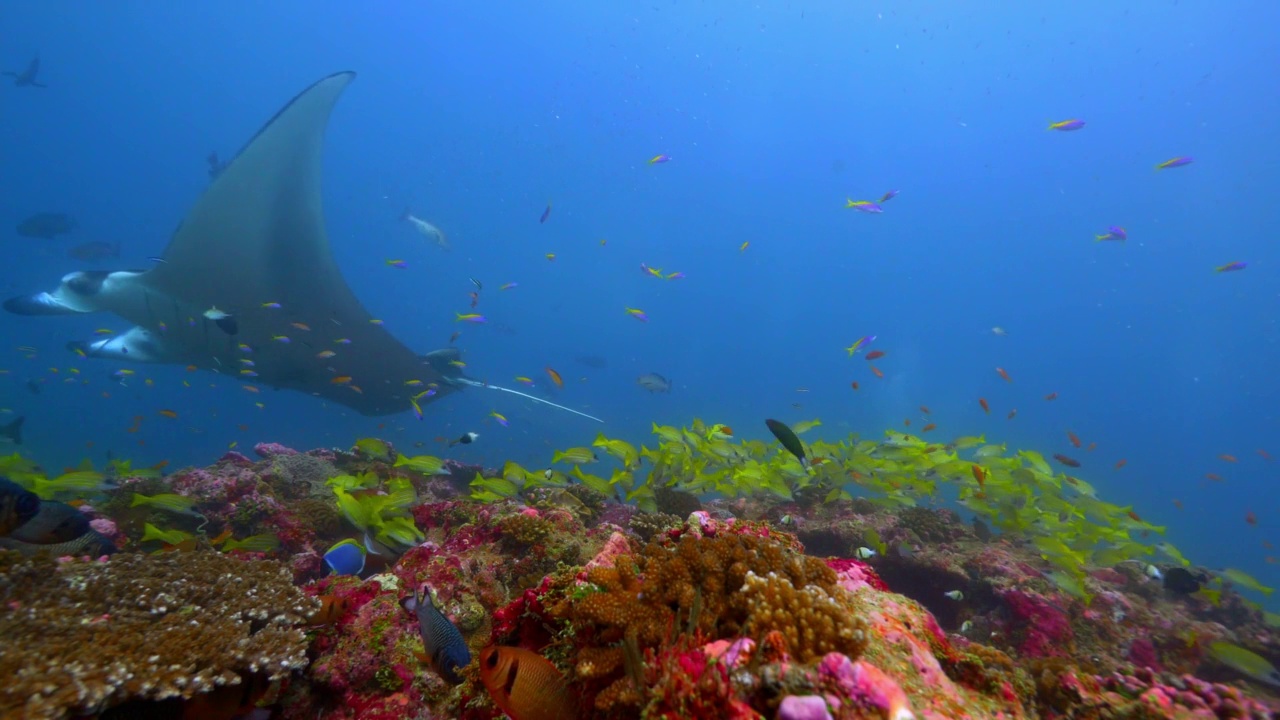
(1045, 629)
(523, 620)
(1142, 653)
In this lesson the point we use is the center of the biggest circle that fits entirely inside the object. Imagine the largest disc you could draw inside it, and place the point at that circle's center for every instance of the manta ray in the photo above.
(248, 286)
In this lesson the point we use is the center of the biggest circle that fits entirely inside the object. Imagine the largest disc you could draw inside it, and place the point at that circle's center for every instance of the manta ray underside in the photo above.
(254, 239)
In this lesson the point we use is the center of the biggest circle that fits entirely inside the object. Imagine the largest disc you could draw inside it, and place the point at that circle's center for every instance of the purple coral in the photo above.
(865, 686)
(803, 707)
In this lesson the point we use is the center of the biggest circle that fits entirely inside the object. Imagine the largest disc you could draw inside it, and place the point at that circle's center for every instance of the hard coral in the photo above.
(692, 583)
(809, 618)
(82, 636)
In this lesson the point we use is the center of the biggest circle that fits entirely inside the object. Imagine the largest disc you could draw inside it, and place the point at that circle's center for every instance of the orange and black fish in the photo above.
(1004, 374)
(525, 685)
(985, 407)
(875, 355)
(927, 428)
(854, 384)
(332, 609)
(1075, 441)
(1069, 462)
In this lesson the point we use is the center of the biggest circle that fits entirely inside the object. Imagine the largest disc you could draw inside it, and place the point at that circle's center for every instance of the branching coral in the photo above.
(80, 637)
(812, 622)
(695, 584)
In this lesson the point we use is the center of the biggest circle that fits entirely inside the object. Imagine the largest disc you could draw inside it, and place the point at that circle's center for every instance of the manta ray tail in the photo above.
(477, 383)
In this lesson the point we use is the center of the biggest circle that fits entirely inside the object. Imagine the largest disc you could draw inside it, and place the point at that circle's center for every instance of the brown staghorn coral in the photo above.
(84, 636)
(696, 584)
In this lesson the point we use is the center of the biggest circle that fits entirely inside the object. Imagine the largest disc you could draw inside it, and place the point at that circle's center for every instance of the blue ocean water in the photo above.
(476, 116)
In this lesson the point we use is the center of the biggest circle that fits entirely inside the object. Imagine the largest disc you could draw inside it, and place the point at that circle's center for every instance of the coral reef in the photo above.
(748, 606)
(83, 636)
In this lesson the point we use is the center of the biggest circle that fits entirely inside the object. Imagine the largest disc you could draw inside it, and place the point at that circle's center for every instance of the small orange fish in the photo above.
(1264, 454)
(555, 377)
(1051, 396)
(1213, 476)
(332, 608)
(876, 371)
(1134, 516)
(924, 409)
(907, 422)
(301, 326)
(927, 428)
(341, 380)
(985, 407)
(1177, 503)
(168, 413)
(1267, 545)
(221, 537)
(525, 685)
(979, 474)
(192, 368)
(242, 427)
(1092, 446)
(1227, 458)
(1004, 374)
(1012, 414)
(1075, 440)
(1121, 463)
(251, 388)
(875, 355)
(726, 430)
(160, 465)
(1069, 462)
(1250, 518)
(854, 384)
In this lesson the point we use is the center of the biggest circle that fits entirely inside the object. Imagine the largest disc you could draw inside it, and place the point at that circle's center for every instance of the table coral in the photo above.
(83, 636)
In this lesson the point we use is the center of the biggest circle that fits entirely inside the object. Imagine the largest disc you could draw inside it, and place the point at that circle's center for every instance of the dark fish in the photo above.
(12, 432)
(47, 225)
(443, 644)
(466, 439)
(216, 166)
(228, 324)
(654, 383)
(17, 505)
(94, 251)
(34, 386)
(545, 214)
(1181, 580)
(788, 439)
(53, 524)
(91, 543)
(27, 78)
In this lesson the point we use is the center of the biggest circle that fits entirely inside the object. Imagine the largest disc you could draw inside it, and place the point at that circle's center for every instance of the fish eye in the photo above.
(28, 505)
(491, 660)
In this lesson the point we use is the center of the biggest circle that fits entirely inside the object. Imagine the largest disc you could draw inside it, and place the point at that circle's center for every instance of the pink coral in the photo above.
(613, 547)
(803, 707)
(855, 574)
(1045, 629)
(270, 450)
(864, 686)
(107, 527)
